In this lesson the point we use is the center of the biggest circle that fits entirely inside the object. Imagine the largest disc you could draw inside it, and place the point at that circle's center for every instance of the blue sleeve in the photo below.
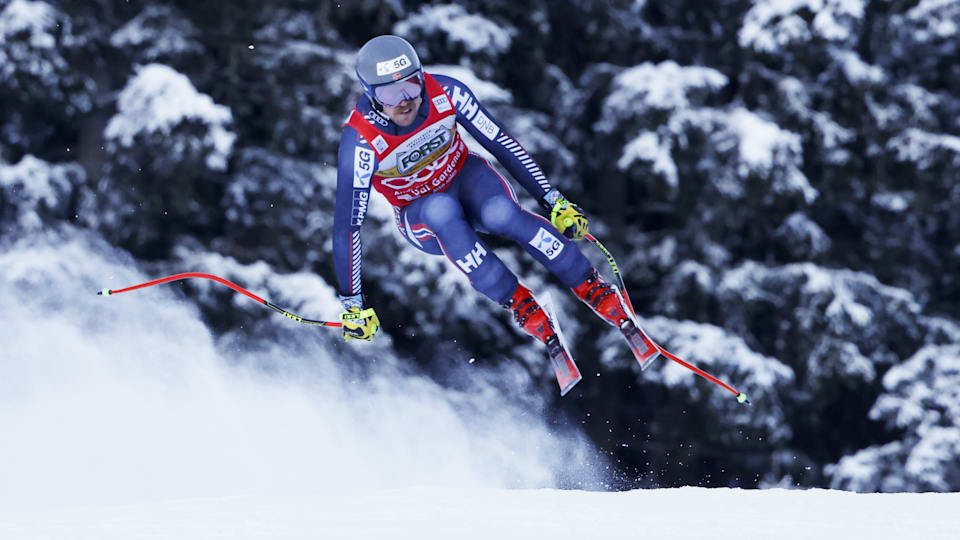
(483, 127)
(355, 165)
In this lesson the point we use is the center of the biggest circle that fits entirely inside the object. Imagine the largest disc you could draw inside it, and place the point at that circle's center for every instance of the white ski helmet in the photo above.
(386, 60)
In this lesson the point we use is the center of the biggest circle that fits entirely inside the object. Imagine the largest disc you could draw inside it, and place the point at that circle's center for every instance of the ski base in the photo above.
(644, 349)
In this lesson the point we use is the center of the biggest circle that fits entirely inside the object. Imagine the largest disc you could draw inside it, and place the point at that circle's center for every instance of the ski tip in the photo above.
(565, 388)
(742, 398)
(103, 292)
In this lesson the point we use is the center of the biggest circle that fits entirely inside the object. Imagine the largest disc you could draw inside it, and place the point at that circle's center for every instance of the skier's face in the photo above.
(405, 113)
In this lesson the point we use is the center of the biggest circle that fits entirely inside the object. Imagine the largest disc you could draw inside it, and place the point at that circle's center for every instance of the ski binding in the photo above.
(644, 349)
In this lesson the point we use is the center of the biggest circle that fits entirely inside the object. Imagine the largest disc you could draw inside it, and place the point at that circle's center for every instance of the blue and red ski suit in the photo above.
(442, 194)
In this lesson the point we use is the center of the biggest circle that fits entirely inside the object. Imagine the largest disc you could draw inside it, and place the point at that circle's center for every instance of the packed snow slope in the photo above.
(444, 513)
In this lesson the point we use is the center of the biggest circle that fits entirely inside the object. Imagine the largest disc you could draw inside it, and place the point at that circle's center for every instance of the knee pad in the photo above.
(499, 213)
(439, 210)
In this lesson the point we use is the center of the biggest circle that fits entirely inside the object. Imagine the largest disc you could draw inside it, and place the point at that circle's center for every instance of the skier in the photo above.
(402, 139)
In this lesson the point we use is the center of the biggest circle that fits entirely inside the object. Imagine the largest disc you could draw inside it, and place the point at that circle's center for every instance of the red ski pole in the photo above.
(741, 397)
(234, 286)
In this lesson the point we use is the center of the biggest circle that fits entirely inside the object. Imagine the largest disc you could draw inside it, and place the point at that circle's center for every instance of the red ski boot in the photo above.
(604, 299)
(529, 315)
(535, 322)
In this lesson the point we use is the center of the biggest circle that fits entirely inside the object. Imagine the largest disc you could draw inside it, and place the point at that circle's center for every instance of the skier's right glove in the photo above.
(358, 323)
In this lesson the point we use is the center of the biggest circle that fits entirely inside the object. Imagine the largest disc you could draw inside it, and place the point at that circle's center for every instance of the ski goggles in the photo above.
(396, 93)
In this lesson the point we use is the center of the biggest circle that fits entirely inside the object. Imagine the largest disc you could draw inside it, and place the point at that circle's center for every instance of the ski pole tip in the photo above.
(742, 398)
(103, 292)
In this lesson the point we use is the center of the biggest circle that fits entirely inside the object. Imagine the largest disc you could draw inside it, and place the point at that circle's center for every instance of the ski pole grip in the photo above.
(347, 316)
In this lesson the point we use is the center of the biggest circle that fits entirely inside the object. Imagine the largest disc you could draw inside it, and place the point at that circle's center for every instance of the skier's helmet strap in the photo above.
(385, 60)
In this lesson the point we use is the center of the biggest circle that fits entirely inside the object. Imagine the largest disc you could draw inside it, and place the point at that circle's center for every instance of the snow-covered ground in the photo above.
(126, 418)
(444, 513)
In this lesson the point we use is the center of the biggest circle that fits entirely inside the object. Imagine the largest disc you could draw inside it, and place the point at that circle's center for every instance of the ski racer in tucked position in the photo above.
(402, 139)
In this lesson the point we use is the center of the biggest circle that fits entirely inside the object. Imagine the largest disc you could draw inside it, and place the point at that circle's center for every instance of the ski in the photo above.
(568, 375)
(566, 370)
(643, 348)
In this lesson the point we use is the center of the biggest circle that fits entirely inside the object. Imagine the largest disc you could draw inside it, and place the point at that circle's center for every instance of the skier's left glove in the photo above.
(358, 323)
(567, 217)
